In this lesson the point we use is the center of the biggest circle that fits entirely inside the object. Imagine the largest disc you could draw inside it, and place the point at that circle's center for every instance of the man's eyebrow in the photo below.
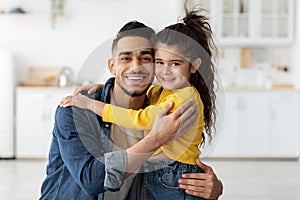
(130, 53)
(145, 52)
(125, 53)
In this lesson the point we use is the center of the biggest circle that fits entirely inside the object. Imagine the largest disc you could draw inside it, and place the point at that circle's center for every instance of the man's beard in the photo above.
(134, 93)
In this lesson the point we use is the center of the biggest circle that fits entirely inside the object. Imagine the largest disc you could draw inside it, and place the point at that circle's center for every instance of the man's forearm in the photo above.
(141, 151)
(121, 164)
(165, 129)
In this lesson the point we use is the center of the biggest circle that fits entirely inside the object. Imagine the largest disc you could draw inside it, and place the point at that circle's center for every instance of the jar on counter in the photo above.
(66, 77)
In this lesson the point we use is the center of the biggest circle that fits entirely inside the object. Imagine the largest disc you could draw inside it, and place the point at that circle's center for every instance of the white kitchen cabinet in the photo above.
(284, 124)
(252, 111)
(226, 143)
(248, 22)
(260, 123)
(251, 22)
(35, 109)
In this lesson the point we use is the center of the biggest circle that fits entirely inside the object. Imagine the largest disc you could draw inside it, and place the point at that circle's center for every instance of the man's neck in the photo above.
(122, 99)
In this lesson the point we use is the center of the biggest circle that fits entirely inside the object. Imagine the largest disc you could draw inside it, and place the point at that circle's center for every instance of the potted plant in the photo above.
(57, 9)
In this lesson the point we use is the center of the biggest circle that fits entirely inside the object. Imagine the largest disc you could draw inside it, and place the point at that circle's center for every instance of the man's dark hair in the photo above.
(135, 28)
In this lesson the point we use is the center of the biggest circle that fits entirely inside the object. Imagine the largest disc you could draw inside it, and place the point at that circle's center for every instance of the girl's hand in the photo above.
(90, 89)
(80, 101)
(171, 126)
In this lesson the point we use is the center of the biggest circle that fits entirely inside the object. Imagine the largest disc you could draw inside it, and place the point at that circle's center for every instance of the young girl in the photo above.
(184, 68)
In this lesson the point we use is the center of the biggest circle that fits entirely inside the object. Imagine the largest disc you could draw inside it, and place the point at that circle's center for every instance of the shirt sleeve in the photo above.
(138, 119)
(115, 166)
(79, 146)
(132, 119)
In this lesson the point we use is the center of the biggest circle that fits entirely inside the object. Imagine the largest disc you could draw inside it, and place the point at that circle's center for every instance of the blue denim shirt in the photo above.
(76, 168)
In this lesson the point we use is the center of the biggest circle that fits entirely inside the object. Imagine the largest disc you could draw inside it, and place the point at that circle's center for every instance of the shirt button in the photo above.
(106, 125)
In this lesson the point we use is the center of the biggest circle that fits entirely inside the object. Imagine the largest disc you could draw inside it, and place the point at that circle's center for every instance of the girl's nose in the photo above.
(166, 70)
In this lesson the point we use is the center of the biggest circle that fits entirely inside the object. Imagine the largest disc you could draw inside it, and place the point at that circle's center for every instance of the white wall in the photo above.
(89, 23)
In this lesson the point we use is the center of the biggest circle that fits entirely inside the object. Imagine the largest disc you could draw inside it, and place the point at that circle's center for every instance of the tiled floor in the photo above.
(243, 180)
(21, 179)
(259, 180)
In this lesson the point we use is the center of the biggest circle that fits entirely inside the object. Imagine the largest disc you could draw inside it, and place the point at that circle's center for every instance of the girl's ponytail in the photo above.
(194, 37)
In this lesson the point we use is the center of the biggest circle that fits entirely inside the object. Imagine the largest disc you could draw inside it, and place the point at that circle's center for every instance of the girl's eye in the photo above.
(159, 63)
(175, 64)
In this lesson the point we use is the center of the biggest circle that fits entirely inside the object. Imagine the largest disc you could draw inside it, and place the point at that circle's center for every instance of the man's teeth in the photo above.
(135, 78)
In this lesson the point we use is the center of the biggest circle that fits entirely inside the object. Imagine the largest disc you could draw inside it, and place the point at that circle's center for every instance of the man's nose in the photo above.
(136, 64)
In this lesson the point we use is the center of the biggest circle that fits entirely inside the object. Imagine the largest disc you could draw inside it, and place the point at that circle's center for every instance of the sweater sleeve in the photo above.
(132, 119)
(143, 119)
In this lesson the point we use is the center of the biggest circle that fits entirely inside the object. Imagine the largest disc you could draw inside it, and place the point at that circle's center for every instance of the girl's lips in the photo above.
(168, 79)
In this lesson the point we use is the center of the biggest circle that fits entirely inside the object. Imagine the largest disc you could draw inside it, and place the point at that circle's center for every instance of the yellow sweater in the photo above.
(185, 148)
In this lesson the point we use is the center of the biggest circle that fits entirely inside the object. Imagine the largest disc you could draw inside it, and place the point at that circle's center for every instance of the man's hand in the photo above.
(206, 185)
(90, 89)
(165, 128)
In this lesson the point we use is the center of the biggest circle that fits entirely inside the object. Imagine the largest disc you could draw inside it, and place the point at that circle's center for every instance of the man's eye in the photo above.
(125, 58)
(146, 59)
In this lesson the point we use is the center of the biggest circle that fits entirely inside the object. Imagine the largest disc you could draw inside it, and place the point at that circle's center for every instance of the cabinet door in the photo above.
(35, 119)
(248, 22)
(276, 22)
(29, 124)
(284, 124)
(226, 142)
(253, 123)
(235, 19)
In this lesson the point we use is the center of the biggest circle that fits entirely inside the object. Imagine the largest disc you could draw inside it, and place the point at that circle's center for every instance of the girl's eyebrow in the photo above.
(181, 61)
(176, 61)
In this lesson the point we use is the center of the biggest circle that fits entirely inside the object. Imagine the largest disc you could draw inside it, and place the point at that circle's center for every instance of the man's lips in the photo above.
(136, 77)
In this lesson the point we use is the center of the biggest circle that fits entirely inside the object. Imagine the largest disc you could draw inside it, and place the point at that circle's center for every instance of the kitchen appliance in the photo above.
(66, 77)
(7, 91)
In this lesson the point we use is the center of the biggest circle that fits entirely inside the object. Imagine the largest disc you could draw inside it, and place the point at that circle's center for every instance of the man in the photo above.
(80, 163)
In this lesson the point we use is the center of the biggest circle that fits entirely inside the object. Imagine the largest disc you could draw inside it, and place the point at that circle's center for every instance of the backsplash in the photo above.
(267, 66)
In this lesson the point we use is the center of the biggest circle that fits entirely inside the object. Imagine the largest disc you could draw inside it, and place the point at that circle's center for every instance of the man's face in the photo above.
(132, 65)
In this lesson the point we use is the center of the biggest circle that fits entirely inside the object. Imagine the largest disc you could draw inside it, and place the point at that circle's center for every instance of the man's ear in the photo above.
(111, 66)
(196, 64)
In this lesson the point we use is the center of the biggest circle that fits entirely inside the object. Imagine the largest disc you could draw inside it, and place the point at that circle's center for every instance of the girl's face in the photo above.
(172, 70)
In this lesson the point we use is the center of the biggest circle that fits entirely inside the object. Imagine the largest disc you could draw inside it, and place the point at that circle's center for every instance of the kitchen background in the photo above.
(40, 58)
